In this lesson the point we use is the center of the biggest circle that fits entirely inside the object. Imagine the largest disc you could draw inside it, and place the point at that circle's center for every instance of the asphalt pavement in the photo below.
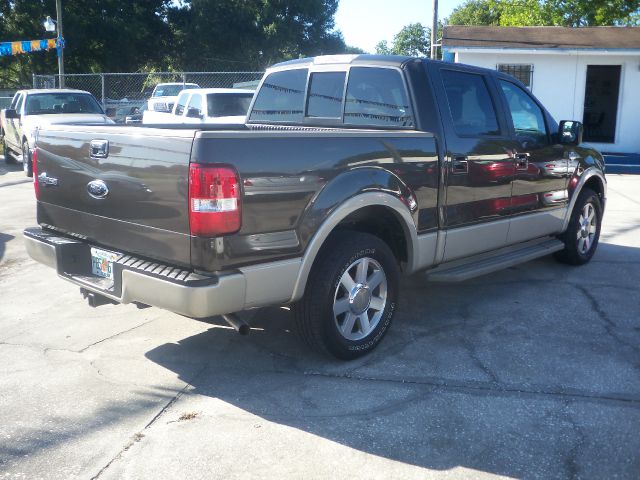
(532, 372)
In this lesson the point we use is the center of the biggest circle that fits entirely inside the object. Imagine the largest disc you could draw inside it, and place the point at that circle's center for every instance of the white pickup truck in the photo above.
(164, 96)
(31, 110)
(205, 106)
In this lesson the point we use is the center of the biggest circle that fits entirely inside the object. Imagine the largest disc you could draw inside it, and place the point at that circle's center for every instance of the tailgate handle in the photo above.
(99, 149)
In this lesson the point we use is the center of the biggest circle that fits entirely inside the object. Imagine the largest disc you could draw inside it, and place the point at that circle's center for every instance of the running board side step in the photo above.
(460, 270)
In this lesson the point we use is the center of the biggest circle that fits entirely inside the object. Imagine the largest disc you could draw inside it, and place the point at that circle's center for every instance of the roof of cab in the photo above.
(364, 59)
(33, 91)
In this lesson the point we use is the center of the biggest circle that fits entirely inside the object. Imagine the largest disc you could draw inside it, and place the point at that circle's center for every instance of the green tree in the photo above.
(109, 35)
(252, 34)
(569, 13)
(132, 35)
(476, 12)
(413, 40)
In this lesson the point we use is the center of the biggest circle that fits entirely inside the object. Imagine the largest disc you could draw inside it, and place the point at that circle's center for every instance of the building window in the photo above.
(521, 71)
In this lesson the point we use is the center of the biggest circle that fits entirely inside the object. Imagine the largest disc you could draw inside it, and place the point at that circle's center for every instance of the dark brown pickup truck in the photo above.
(349, 171)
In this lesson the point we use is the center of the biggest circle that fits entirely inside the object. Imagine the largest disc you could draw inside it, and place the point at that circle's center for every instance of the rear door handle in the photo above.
(522, 161)
(460, 165)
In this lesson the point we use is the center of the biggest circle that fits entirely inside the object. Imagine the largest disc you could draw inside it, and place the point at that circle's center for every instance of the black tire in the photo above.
(8, 159)
(344, 252)
(578, 234)
(26, 160)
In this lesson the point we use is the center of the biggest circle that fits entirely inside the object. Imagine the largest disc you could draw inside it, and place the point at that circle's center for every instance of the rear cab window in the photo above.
(357, 96)
(281, 97)
(326, 90)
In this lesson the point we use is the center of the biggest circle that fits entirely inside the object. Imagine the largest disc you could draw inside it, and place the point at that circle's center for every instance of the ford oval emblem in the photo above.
(97, 189)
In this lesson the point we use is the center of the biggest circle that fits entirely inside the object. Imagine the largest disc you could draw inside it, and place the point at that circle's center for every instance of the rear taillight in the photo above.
(214, 200)
(34, 162)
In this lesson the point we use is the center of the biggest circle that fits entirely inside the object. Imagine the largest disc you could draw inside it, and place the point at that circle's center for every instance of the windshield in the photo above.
(58, 103)
(171, 90)
(228, 104)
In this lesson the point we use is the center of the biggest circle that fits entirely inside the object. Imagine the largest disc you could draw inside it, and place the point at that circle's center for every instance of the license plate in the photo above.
(102, 262)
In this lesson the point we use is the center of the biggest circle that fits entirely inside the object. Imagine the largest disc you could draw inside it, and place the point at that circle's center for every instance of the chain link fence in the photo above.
(122, 93)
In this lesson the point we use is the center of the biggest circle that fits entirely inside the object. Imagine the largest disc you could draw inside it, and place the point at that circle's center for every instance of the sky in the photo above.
(364, 23)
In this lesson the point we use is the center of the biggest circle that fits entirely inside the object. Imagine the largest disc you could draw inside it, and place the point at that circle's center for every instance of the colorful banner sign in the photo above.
(28, 46)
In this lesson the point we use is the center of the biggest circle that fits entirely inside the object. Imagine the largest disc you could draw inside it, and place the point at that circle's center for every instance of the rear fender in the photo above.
(347, 193)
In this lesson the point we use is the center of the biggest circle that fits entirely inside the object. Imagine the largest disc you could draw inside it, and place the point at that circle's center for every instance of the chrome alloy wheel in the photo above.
(587, 223)
(360, 298)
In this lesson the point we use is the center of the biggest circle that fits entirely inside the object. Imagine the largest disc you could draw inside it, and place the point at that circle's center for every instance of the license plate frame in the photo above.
(102, 262)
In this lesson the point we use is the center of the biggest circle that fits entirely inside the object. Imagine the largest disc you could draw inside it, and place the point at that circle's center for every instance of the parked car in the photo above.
(206, 105)
(164, 95)
(31, 110)
(135, 115)
(349, 171)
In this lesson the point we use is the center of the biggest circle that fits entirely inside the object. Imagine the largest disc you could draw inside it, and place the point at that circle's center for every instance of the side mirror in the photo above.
(11, 113)
(194, 113)
(570, 132)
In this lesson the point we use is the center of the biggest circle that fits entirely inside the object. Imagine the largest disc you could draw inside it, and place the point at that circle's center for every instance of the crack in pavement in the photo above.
(82, 350)
(572, 464)
(609, 325)
(491, 387)
(115, 335)
(136, 437)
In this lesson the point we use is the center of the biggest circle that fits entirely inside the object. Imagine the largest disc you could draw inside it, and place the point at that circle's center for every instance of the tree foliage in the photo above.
(413, 40)
(132, 35)
(568, 13)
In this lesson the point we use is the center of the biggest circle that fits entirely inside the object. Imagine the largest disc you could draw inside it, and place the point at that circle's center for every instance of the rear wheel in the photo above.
(26, 160)
(350, 297)
(583, 233)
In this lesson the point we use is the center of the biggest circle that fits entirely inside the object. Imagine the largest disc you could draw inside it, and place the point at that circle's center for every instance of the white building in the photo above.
(590, 74)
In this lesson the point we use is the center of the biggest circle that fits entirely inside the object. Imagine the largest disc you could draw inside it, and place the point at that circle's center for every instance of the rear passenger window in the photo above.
(281, 97)
(325, 95)
(470, 104)
(376, 96)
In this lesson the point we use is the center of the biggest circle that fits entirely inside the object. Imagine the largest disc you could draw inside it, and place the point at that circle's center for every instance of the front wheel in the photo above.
(350, 297)
(26, 160)
(583, 233)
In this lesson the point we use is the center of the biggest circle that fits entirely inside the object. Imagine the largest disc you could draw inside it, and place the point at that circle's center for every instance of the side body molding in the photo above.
(363, 200)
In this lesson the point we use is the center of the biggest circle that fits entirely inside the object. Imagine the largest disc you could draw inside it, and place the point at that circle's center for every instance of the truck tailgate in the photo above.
(134, 199)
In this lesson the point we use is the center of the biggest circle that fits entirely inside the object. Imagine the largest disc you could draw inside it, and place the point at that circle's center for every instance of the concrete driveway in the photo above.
(533, 372)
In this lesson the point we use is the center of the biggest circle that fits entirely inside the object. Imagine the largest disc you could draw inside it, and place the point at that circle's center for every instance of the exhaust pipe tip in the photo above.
(237, 323)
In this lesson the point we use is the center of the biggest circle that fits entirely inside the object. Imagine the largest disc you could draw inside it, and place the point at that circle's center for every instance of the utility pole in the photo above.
(60, 50)
(434, 31)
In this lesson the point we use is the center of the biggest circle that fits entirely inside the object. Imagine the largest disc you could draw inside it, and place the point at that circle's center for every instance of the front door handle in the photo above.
(460, 165)
(522, 161)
